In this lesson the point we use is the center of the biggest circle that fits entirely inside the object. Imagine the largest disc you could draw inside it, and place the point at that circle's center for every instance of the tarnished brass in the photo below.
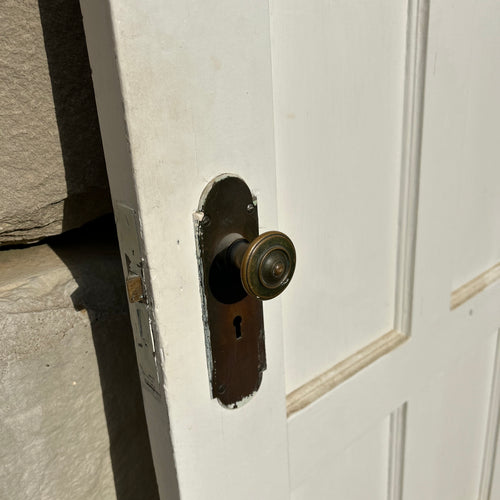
(135, 291)
(267, 265)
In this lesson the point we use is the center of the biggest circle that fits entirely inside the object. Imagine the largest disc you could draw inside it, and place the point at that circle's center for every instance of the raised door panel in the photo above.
(460, 199)
(464, 77)
(446, 428)
(338, 79)
(359, 472)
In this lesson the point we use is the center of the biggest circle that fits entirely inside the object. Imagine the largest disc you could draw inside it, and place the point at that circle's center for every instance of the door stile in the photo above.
(184, 93)
(106, 79)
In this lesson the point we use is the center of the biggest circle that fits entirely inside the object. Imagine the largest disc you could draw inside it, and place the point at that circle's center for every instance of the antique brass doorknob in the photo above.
(266, 264)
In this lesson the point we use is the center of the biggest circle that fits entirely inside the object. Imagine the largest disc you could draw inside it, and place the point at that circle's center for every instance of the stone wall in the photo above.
(72, 422)
(52, 171)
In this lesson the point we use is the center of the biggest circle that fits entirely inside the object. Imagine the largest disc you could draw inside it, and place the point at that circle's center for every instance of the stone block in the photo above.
(52, 170)
(72, 422)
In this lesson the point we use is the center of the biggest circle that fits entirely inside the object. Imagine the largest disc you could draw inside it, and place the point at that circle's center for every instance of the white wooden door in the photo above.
(368, 130)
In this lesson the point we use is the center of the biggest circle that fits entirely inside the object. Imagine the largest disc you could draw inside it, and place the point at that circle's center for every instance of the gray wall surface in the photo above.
(52, 170)
(72, 422)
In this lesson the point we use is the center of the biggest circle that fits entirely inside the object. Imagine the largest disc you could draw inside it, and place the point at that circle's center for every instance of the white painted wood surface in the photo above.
(467, 70)
(442, 341)
(184, 93)
(447, 426)
(359, 472)
(377, 122)
(338, 70)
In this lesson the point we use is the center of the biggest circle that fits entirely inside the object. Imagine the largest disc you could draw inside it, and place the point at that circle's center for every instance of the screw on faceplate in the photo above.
(221, 389)
(250, 208)
(205, 221)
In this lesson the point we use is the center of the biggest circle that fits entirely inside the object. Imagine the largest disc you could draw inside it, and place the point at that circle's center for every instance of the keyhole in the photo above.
(237, 326)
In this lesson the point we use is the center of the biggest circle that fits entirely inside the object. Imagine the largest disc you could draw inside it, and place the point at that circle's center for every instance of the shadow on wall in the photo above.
(101, 293)
(105, 302)
(72, 90)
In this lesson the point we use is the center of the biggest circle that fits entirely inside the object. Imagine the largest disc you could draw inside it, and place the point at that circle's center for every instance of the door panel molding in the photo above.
(413, 111)
(397, 437)
(316, 388)
(491, 441)
(474, 286)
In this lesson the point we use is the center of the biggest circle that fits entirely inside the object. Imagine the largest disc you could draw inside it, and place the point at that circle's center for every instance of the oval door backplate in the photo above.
(234, 326)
